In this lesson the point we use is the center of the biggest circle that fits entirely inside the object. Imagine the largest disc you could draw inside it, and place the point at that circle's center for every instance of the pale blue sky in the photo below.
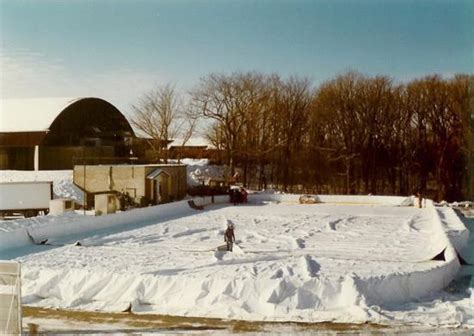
(119, 49)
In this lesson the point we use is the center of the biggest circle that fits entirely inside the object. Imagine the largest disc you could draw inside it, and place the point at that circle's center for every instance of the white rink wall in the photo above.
(350, 199)
(454, 228)
(71, 230)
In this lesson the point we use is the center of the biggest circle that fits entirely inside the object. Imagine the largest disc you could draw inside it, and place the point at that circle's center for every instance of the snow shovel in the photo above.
(222, 248)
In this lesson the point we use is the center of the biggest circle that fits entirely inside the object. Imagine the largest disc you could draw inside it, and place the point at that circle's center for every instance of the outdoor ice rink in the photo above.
(274, 240)
(291, 262)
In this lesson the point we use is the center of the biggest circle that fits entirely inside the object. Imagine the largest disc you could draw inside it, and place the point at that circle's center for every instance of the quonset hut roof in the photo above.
(61, 122)
(31, 115)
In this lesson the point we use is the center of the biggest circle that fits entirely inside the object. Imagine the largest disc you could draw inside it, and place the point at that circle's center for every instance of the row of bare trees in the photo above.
(352, 134)
(396, 139)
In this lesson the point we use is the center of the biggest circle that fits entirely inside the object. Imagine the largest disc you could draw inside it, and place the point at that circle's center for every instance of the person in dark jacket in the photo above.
(229, 236)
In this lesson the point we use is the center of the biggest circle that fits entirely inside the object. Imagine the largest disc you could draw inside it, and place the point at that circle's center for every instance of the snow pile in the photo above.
(241, 296)
(292, 263)
(22, 223)
(192, 142)
(200, 171)
(454, 228)
(463, 204)
(63, 187)
(55, 230)
(23, 233)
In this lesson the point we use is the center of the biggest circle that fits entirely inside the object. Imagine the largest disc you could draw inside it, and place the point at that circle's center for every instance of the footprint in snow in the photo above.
(332, 225)
(188, 232)
(278, 274)
(290, 270)
(312, 266)
(255, 270)
(301, 243)
(219, 255)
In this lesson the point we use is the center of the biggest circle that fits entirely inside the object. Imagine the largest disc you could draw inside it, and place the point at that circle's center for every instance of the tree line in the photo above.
(354, 134)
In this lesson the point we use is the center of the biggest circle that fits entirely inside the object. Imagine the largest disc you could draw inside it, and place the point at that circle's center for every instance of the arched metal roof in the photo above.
(37, 114)
(62, 122)
(31, 115)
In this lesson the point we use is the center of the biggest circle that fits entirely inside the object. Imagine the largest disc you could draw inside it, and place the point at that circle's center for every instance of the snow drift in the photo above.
(297, 262)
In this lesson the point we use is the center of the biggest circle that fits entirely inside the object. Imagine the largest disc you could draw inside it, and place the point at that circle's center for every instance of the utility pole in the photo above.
(84, 176)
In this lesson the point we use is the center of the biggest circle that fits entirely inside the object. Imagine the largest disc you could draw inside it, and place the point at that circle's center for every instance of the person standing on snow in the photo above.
(229, 236)
(420, 199)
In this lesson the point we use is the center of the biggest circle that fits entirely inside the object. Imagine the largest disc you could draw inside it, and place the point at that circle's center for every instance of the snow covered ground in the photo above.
(293, 262)
(200, 170)
(32, 222)
(340, 262)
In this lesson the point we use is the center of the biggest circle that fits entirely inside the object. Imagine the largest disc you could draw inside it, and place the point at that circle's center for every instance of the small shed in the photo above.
(105, 204)
(140, 185)
(60, 206)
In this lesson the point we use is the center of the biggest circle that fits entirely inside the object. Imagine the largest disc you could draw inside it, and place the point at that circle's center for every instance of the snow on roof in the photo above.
(156, 173)
(193, 142)
(147, 165)
(30, 115)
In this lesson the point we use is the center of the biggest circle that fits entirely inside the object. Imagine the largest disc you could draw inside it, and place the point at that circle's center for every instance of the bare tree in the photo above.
(159, 114)
(335, 106)
(226, 100)
(354, 134)
(291, 107)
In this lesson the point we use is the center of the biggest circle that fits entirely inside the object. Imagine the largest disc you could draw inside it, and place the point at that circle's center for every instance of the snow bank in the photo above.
(200, 170)
(222, 199)
(278, 299)
(352, 199)
(454, 228)
(88, 225)
(173, 268)
(77, 228)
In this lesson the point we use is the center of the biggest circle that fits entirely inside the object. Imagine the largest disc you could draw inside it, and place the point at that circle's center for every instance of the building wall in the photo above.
(124, 179)
(86, 127)
(17, 158)
(129, 179)
(178, 182)
(64, 157)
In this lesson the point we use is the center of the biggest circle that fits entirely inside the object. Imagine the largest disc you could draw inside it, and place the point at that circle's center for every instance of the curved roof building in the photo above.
(61, 130)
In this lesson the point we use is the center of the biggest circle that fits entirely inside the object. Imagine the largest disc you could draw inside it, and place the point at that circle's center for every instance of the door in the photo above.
(164, 190)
